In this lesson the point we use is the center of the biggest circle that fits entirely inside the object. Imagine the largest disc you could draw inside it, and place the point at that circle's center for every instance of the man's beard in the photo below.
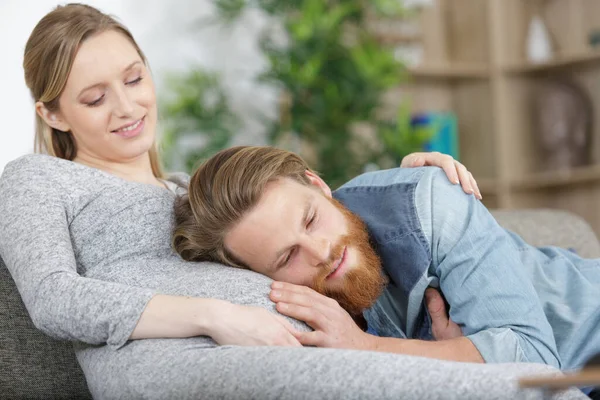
(364, 282)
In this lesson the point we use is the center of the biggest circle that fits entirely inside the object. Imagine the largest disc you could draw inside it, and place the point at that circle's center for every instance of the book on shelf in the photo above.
(444, 128)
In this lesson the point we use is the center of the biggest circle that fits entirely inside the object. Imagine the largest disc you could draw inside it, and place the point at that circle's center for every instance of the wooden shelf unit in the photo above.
(560, 62)
(575, 176)
(474, 65)
(451, 71)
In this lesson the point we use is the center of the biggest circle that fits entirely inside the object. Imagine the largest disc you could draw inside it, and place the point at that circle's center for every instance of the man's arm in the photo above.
(457, 349)
(335, 328)
(480, 271)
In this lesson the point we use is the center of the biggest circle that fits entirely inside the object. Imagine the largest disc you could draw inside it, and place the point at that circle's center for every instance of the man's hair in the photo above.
(222, 191)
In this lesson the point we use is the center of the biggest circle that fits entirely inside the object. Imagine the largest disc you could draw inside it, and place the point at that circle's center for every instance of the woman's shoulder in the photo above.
(31, 169)
(36, 162)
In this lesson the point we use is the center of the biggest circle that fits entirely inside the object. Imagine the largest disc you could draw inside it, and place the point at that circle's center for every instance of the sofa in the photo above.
(35, 366)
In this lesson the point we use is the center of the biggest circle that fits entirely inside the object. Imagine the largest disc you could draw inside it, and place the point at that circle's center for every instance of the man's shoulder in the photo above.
(392, 176)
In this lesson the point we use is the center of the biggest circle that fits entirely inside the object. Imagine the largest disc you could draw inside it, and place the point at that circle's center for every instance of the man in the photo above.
(375, 246)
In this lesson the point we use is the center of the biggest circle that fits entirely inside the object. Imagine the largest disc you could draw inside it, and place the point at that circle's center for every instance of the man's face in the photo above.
(299, 234)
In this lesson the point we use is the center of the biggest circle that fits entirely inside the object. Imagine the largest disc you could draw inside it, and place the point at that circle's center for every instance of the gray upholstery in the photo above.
(544, 227)
(33, 365)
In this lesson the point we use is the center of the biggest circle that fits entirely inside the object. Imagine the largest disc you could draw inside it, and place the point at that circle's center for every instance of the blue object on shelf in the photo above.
(445, 137)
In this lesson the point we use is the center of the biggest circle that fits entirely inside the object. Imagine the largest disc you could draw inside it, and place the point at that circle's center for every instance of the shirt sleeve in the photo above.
(482, 276)
(36, 247)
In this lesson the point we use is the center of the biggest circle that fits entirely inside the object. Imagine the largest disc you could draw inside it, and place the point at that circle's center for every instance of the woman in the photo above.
(86, 225)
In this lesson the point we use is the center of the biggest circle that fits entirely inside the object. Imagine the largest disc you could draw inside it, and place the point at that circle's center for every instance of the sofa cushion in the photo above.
(545, 227)
(33, 365)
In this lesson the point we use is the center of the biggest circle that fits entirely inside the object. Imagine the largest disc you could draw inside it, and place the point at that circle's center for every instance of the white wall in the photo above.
(171, 41)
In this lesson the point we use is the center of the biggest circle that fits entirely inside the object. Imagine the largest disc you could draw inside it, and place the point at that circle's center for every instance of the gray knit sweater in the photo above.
(88, 250)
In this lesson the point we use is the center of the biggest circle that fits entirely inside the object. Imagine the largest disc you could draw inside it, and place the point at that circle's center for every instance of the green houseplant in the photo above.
(331, 73)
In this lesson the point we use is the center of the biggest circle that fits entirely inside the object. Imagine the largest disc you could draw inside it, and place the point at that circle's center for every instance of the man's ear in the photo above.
(51, 118)
(316, 180)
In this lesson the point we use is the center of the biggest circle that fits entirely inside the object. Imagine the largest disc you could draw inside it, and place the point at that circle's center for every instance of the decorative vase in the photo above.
(539, 45)
(563, 117)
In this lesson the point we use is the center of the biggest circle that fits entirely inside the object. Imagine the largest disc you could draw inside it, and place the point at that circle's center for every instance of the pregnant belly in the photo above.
(172, 275)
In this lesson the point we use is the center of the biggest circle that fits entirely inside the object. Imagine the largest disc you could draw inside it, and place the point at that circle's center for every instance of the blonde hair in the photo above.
(49, 55)
(221, 191)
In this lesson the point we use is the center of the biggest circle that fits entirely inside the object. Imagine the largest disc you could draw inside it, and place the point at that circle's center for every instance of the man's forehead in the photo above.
(285, 192)
(278, 213)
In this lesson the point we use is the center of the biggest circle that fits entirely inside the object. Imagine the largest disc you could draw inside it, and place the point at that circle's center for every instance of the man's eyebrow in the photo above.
(307, 206)
(130, 66)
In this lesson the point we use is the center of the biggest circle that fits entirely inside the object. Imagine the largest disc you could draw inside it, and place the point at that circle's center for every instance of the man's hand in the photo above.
(441, 325)
(333, 326)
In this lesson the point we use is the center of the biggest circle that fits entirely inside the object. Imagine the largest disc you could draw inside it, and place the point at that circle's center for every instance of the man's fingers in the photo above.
(302, 296)
(311, 316)
(290, 287)
(436, 306)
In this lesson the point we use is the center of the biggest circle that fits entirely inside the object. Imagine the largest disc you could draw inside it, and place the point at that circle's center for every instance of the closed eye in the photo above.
(95, 102)
(311, 220)
(288, 257)
(135, 81)
(99, 100)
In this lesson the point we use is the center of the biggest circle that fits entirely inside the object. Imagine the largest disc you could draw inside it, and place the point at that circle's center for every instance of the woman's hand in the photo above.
(250, 326)
(456, 172)
(442, 327)
(333, 326)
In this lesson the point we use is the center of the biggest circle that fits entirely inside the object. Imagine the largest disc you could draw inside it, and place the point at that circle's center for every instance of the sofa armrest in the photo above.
(545, 227)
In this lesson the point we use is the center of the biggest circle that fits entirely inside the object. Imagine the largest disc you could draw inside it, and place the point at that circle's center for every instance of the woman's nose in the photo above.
(124, 106)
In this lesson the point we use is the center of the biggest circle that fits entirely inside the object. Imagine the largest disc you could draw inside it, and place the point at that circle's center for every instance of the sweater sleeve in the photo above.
(36, 247)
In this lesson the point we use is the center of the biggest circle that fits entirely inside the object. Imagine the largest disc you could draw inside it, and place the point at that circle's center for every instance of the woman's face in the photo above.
(108, 103)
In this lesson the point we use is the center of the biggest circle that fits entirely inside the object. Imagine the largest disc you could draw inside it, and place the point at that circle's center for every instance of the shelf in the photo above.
(488, 186)
(551, 179)
(558, 63)
(388, 38)
(451, 71)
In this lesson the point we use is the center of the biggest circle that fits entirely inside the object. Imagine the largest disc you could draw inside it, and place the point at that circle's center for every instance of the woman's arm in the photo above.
(227, 323)
(35, 245)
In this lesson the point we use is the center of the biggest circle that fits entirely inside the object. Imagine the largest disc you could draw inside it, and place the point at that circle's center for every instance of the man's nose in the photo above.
(318, 250)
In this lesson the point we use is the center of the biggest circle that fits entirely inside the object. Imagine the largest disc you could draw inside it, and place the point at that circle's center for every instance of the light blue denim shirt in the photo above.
(515, 302)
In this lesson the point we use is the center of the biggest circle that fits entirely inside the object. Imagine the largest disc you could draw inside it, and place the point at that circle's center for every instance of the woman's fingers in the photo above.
(291, 339)
(448, 165)
(455, 171)
(476, 187)
(465, 177)
(314, 338)
(413, 160)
